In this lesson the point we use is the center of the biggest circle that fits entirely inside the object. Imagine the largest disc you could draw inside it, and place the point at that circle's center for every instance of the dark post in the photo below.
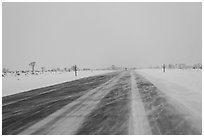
(164, 68)
(75, 70)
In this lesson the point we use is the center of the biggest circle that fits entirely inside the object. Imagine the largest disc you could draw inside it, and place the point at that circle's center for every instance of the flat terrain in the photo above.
(15, 84)
(117, 103)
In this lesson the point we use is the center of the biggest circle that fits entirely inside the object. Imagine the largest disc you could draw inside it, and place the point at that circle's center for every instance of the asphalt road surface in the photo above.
(118, 103)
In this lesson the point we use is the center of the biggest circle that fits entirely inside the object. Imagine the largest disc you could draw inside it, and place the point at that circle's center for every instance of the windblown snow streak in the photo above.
(110, 117)
(164, 118)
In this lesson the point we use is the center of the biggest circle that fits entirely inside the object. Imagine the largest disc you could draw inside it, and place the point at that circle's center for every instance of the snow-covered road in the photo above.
(128, 102)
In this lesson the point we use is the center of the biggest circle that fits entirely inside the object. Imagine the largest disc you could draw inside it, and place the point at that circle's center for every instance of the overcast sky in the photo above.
(101, 34)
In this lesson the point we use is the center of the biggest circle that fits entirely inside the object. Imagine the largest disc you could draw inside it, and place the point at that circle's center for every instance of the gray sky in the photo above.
(101, 34)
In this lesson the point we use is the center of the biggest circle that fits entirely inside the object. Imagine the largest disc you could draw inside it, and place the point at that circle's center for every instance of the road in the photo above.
(114, 103)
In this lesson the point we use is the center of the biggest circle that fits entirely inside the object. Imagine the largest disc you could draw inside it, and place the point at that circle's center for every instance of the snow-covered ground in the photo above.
(12, 84)
(191, 79)
(183, 86)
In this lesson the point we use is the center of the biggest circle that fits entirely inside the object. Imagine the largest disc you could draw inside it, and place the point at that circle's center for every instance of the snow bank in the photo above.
(13, 85)
(183, 86)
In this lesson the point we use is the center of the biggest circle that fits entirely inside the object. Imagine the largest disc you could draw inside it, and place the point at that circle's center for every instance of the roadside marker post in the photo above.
(164, 68)
(75, 70)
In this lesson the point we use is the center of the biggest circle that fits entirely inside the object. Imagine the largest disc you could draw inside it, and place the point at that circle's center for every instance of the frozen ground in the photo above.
(191, 79)
(182, 86)
(12, 85)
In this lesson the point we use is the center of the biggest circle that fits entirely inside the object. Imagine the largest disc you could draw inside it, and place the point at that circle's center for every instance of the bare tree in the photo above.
(32, 64)
(5, 70)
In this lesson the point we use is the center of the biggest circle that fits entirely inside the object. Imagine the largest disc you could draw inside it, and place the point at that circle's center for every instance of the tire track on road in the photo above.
(138, 123)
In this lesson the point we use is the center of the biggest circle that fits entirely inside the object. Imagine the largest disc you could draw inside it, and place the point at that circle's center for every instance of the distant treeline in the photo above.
(43, 70)
(180, 66)
(65, 69)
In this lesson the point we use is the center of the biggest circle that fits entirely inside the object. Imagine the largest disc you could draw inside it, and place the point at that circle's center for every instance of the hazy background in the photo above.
(98, 35)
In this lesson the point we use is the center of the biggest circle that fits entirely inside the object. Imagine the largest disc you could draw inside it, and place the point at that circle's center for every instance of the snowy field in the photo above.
(13, 85)
(182, 86)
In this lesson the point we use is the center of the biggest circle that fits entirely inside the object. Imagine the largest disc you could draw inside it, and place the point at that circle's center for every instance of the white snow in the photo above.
(184, 87)
(13, 85)
(191, 79)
